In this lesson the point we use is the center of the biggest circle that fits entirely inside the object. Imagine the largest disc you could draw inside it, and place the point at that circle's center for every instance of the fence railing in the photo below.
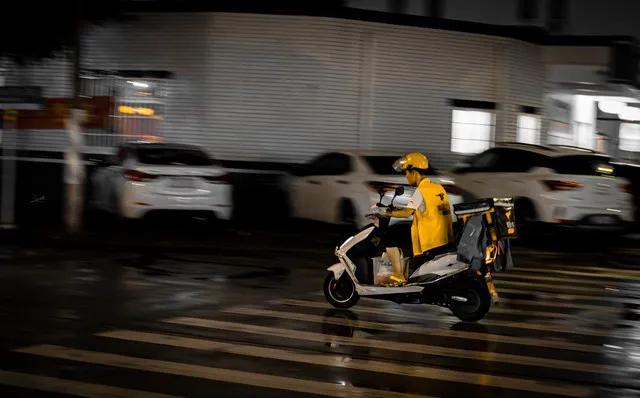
(110, 140)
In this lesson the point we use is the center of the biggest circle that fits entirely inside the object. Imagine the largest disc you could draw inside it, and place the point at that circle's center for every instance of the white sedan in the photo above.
(551, 184)
(145, 177)
(340, 187)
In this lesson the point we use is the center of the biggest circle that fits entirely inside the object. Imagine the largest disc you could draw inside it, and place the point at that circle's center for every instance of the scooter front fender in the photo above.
(337, 269)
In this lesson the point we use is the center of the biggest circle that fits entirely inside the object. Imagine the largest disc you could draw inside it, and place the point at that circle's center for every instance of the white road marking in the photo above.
(211, 373)
(342, 361)
(397, 346)
(72, 387)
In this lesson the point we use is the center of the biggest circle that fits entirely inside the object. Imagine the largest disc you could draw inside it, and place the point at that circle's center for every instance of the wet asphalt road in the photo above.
(251, 321)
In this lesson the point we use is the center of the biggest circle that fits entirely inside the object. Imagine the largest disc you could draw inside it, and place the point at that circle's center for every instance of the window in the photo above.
(584, 119)
(582, 165)
(517, 161)
(168, 155)
(485, 162)
(331, 164)
(471, 131)
(559, 133)
(528, 129)
(139, 106)
(629, 138)
(128, 106)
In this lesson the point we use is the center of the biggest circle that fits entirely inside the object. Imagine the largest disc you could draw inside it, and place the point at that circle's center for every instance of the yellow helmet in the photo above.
(410, 161)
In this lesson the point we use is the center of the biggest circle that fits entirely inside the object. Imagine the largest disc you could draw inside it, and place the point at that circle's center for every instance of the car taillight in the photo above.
(221, 179)
(378, 186)
(560, 185)
(626, 188)
(137, 175)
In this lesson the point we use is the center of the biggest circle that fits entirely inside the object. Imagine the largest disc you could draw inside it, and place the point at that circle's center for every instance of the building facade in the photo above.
(283, 88)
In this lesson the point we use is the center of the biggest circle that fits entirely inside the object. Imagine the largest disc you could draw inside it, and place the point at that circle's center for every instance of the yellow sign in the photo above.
(129, 110)
(10, 115)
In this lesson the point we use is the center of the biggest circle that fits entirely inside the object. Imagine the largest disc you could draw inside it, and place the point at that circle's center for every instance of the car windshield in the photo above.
(383, 165)
(582, 165)
(173, 156)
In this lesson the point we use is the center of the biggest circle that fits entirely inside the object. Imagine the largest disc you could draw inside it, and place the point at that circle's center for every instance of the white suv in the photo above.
(340, 187)
(551, 184)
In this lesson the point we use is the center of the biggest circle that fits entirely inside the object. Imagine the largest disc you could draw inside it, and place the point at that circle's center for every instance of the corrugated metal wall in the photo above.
(284, 88)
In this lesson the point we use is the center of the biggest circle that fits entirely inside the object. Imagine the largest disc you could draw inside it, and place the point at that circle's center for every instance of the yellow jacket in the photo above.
(431, 225)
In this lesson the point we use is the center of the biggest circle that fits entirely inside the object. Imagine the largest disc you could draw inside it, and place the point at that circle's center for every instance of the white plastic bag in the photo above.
(382, 269)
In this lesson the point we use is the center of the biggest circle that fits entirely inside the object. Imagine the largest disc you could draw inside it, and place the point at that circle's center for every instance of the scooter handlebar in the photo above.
(381, 215)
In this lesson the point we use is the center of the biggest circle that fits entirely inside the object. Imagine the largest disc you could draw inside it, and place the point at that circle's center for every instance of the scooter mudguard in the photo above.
(337, 269)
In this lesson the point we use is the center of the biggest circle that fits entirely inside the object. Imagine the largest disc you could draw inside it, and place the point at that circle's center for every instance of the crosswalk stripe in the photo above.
(210, 373)
(556, 305)
(531, 313)
(590, 276)
(427, 372)
(547, 300)
(396, 346)
(558, 288)
(487, 322)
(415, 329)
(523, 276)
(587, 268)
(566, 296)
(503, 310)
(72, 387)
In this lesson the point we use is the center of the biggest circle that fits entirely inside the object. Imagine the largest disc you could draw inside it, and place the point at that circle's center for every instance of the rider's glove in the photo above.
(377, 210)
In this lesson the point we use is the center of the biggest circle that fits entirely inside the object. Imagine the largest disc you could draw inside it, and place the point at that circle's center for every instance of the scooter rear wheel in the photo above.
(341, 292)
(470, 299)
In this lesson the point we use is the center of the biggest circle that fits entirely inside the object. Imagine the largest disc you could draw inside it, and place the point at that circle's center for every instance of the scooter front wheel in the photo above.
(341, 292)
(470, 299)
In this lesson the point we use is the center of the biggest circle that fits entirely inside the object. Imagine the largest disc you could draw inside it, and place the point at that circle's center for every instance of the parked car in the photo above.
(551, 184)
(143, 177)
(632, 173)
(340, 187)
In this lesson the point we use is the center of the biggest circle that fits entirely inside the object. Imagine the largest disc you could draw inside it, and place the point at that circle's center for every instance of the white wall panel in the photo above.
(285, 88)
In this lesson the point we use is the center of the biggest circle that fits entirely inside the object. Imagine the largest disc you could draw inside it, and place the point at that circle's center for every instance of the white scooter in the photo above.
(449, 280)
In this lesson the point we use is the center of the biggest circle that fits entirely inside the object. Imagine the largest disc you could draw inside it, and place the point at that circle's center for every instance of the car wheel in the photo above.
(115, 205)
(525, 217)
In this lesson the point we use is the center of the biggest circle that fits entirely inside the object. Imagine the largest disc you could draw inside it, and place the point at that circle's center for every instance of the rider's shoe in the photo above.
(395, 281)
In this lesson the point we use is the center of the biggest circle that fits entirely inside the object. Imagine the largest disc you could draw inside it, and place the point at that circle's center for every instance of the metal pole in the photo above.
(7, 212)
(74, 169)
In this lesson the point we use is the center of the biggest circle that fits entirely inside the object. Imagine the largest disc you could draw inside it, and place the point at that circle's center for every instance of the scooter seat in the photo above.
(439, 256)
